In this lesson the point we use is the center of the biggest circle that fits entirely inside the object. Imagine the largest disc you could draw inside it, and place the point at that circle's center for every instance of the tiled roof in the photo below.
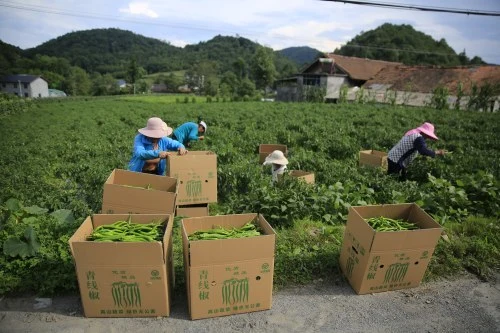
(23, 78)
(426, 78)
(360, 68)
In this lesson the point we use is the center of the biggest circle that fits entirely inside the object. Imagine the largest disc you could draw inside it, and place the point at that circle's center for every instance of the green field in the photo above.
(58, 153)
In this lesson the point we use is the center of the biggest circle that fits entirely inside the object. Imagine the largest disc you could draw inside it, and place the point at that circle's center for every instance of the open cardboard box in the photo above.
(124, 279)
(373, 158)
(197, 174)
(380, 261)
(228, 276)
(266, 149)
(306, 176)
(135, 192)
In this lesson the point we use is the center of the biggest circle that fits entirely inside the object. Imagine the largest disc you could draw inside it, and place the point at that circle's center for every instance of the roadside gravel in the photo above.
(465, 304)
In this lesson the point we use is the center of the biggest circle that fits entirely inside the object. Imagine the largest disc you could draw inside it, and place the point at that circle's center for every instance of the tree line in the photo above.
(90, 62)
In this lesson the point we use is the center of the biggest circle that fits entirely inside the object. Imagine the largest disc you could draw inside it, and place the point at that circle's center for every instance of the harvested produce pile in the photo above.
(123, 231)
(248, 230)
(387, 224)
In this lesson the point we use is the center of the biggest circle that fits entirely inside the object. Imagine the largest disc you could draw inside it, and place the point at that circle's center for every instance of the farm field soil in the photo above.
(465, 304)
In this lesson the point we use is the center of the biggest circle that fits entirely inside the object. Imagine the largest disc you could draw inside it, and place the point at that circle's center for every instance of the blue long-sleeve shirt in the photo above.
(186, 132)
(143, 150)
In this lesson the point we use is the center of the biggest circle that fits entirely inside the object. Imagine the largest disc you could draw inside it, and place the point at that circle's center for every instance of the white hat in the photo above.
(155, 128)
(276, 157)
(204, 124)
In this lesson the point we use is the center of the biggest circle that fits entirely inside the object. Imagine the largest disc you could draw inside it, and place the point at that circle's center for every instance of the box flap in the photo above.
(193, 160)
(139, 179)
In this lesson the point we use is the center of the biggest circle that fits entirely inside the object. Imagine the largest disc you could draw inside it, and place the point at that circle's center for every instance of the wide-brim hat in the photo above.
(204, 124)
(276, 157)
(156, 128)
(427, 129)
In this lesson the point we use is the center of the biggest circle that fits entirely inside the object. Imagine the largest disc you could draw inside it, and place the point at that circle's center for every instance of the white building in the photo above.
(24, 85)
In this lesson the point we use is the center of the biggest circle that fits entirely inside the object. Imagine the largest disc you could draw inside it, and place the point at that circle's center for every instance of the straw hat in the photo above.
(156, 128)
(276, 157)
(427, 129)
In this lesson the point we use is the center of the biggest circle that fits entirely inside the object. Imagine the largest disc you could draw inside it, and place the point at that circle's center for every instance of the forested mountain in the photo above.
(110, 51)
(9, 55)
(301, 55)
(402, 43)
(90, 62)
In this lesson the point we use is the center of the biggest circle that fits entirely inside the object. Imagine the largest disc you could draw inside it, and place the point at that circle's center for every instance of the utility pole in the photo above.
(20, 90)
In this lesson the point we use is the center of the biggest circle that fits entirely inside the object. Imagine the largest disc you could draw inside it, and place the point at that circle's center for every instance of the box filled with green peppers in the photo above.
(124, 264)
(387, 247)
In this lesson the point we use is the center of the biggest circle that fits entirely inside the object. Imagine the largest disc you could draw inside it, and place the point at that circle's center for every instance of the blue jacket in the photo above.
(143, 150)
(186, 132)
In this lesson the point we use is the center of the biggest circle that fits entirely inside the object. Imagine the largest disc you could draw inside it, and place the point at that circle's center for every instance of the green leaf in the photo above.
(33, 244)
(31, 219)
(315, 247)
(459, 183)
(15, 247)
(13, 205)
(297, 251)
(35, 210)
(327, 217)
(64, 216)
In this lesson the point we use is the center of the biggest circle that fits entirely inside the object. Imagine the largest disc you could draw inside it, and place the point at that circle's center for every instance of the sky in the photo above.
(278, 24)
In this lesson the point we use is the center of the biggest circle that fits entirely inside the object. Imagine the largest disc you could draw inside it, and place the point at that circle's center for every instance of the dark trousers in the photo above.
(394, 168)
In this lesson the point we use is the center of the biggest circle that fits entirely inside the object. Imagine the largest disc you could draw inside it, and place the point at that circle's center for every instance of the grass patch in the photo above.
(306, 251)
(473, 245)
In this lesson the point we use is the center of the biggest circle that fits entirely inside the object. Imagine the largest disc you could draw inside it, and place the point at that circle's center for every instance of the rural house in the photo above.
(415, 85)
(25, 85)
(331, 73)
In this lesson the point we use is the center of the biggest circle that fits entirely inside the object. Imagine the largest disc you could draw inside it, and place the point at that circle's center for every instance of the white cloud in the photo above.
(139, 8)
(179, 43)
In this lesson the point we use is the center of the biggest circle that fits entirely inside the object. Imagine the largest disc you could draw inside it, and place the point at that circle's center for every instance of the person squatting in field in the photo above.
(151, 148)
(405, 151)
(190, 132)
(278, 161)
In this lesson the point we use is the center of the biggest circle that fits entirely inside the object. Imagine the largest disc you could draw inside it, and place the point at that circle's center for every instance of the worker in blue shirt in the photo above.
(189, 132)
(405, 151)
(151, 148)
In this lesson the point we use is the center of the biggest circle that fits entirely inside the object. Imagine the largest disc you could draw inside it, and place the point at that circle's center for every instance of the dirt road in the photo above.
(462, 305)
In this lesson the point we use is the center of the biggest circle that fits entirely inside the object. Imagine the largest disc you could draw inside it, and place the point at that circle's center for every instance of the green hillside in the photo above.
(301, 55)
(110, 50)
(402, 43)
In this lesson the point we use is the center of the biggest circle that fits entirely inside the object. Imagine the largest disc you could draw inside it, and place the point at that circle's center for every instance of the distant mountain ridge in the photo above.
(301, 55)
(111, 50)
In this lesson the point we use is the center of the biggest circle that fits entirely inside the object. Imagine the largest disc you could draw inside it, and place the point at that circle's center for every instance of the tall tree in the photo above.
(263, 70)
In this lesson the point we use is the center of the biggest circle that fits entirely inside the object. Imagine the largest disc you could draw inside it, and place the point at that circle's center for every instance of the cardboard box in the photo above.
(124, 279)
(266, 149)
(373, 158)
(197, 174)
(127, 192)
(306, 176)
(228, 276)
(380, 261)
(193, 210)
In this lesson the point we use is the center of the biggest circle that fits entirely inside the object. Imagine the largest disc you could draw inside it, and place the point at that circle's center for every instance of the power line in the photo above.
(420, 8)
